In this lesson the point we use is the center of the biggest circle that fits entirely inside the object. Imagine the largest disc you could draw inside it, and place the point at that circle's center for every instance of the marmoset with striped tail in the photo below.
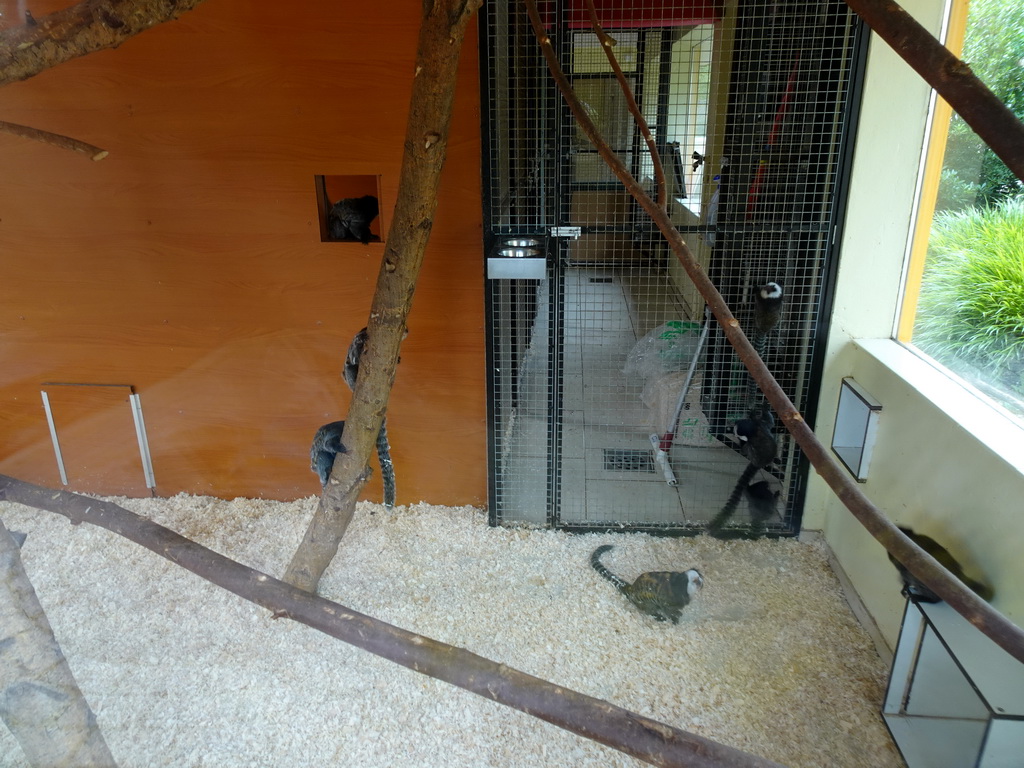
(767, 313)
(758, 445)
(661, 594)
(350, 373)
(326, 445)
(327, 441)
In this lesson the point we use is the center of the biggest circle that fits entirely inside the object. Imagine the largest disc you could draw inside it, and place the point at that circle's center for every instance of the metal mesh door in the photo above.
(594, 353)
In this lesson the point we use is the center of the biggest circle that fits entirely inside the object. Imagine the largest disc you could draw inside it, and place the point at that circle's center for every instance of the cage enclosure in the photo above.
(601, 389)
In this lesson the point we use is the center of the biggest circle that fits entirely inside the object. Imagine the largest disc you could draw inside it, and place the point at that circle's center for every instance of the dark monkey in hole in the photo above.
(350, 218)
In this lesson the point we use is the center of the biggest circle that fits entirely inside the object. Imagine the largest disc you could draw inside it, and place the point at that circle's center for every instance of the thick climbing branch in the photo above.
(920, 563)
(442, 31)
(641, 737)
(80, 29)
(54, 139)
(86, 27)
(40, 702)
(951, 78)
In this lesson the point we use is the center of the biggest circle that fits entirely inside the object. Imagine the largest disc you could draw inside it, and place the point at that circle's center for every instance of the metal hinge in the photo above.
(573, 232)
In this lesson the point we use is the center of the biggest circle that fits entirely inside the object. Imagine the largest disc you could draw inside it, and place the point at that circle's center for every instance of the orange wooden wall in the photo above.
(189, 265)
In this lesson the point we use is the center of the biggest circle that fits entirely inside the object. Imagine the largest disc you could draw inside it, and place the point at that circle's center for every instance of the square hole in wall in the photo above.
(348, 208)
(853, 438)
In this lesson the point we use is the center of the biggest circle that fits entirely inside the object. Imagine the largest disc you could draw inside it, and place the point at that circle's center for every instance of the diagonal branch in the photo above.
(1004, 632)
(86, 27)
(636, 735)
(951, 78)
(53, 139)
(607, 43)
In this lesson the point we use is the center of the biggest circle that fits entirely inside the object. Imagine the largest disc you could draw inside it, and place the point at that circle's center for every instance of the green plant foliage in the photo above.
(994, 48)
(971, 311)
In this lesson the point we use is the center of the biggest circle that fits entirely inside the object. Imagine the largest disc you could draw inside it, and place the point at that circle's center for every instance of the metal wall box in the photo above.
(517, 258)
(853, 438)
(955, 698)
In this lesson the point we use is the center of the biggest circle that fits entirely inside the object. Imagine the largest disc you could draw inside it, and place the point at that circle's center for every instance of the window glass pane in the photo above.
(588, 55)
(605, 104)
(688, 105)
(970, 310)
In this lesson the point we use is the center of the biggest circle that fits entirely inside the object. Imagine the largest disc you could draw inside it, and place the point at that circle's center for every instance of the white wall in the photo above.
(928, 470)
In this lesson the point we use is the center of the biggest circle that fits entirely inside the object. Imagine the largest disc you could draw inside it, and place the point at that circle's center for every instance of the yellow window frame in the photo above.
(931, 175)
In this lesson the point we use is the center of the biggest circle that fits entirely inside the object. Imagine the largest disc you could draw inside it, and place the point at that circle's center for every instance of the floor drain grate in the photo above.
(628, 460)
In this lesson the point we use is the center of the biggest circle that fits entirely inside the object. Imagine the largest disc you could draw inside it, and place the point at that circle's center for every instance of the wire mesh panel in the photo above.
(520, 113)
(613, 401)
(520, 201)
(790, 79)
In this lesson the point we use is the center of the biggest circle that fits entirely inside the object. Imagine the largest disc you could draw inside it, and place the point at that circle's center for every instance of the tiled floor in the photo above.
(604, 316)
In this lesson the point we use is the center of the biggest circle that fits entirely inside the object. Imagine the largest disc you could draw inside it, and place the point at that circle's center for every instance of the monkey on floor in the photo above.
(758, 445)
(350, 217)
(916, 589)
(661, 594)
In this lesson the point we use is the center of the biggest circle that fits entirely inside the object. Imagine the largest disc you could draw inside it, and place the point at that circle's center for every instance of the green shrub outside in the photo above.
(970, 314)
(994, 48)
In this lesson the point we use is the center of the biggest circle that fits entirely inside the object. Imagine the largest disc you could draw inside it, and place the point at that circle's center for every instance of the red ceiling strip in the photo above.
(638, 14)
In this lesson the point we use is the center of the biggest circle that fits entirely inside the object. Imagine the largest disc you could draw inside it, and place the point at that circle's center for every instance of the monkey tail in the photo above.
(387, 469)
(763, 503)
(760, 345)
(718, 523)
(595, 562)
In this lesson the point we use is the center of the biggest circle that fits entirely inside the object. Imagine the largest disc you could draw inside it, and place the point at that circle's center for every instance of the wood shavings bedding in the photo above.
(768, 657)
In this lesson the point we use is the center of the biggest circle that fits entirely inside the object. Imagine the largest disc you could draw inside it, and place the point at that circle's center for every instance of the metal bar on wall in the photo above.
(53, 436)
(140, 434)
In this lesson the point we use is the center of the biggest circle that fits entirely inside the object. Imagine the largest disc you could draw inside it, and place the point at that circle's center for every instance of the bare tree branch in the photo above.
(88, 26)
(40, 702)
(950, 77)
(990, 621)
(442, 31)
(641, 737)
(54, 139)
